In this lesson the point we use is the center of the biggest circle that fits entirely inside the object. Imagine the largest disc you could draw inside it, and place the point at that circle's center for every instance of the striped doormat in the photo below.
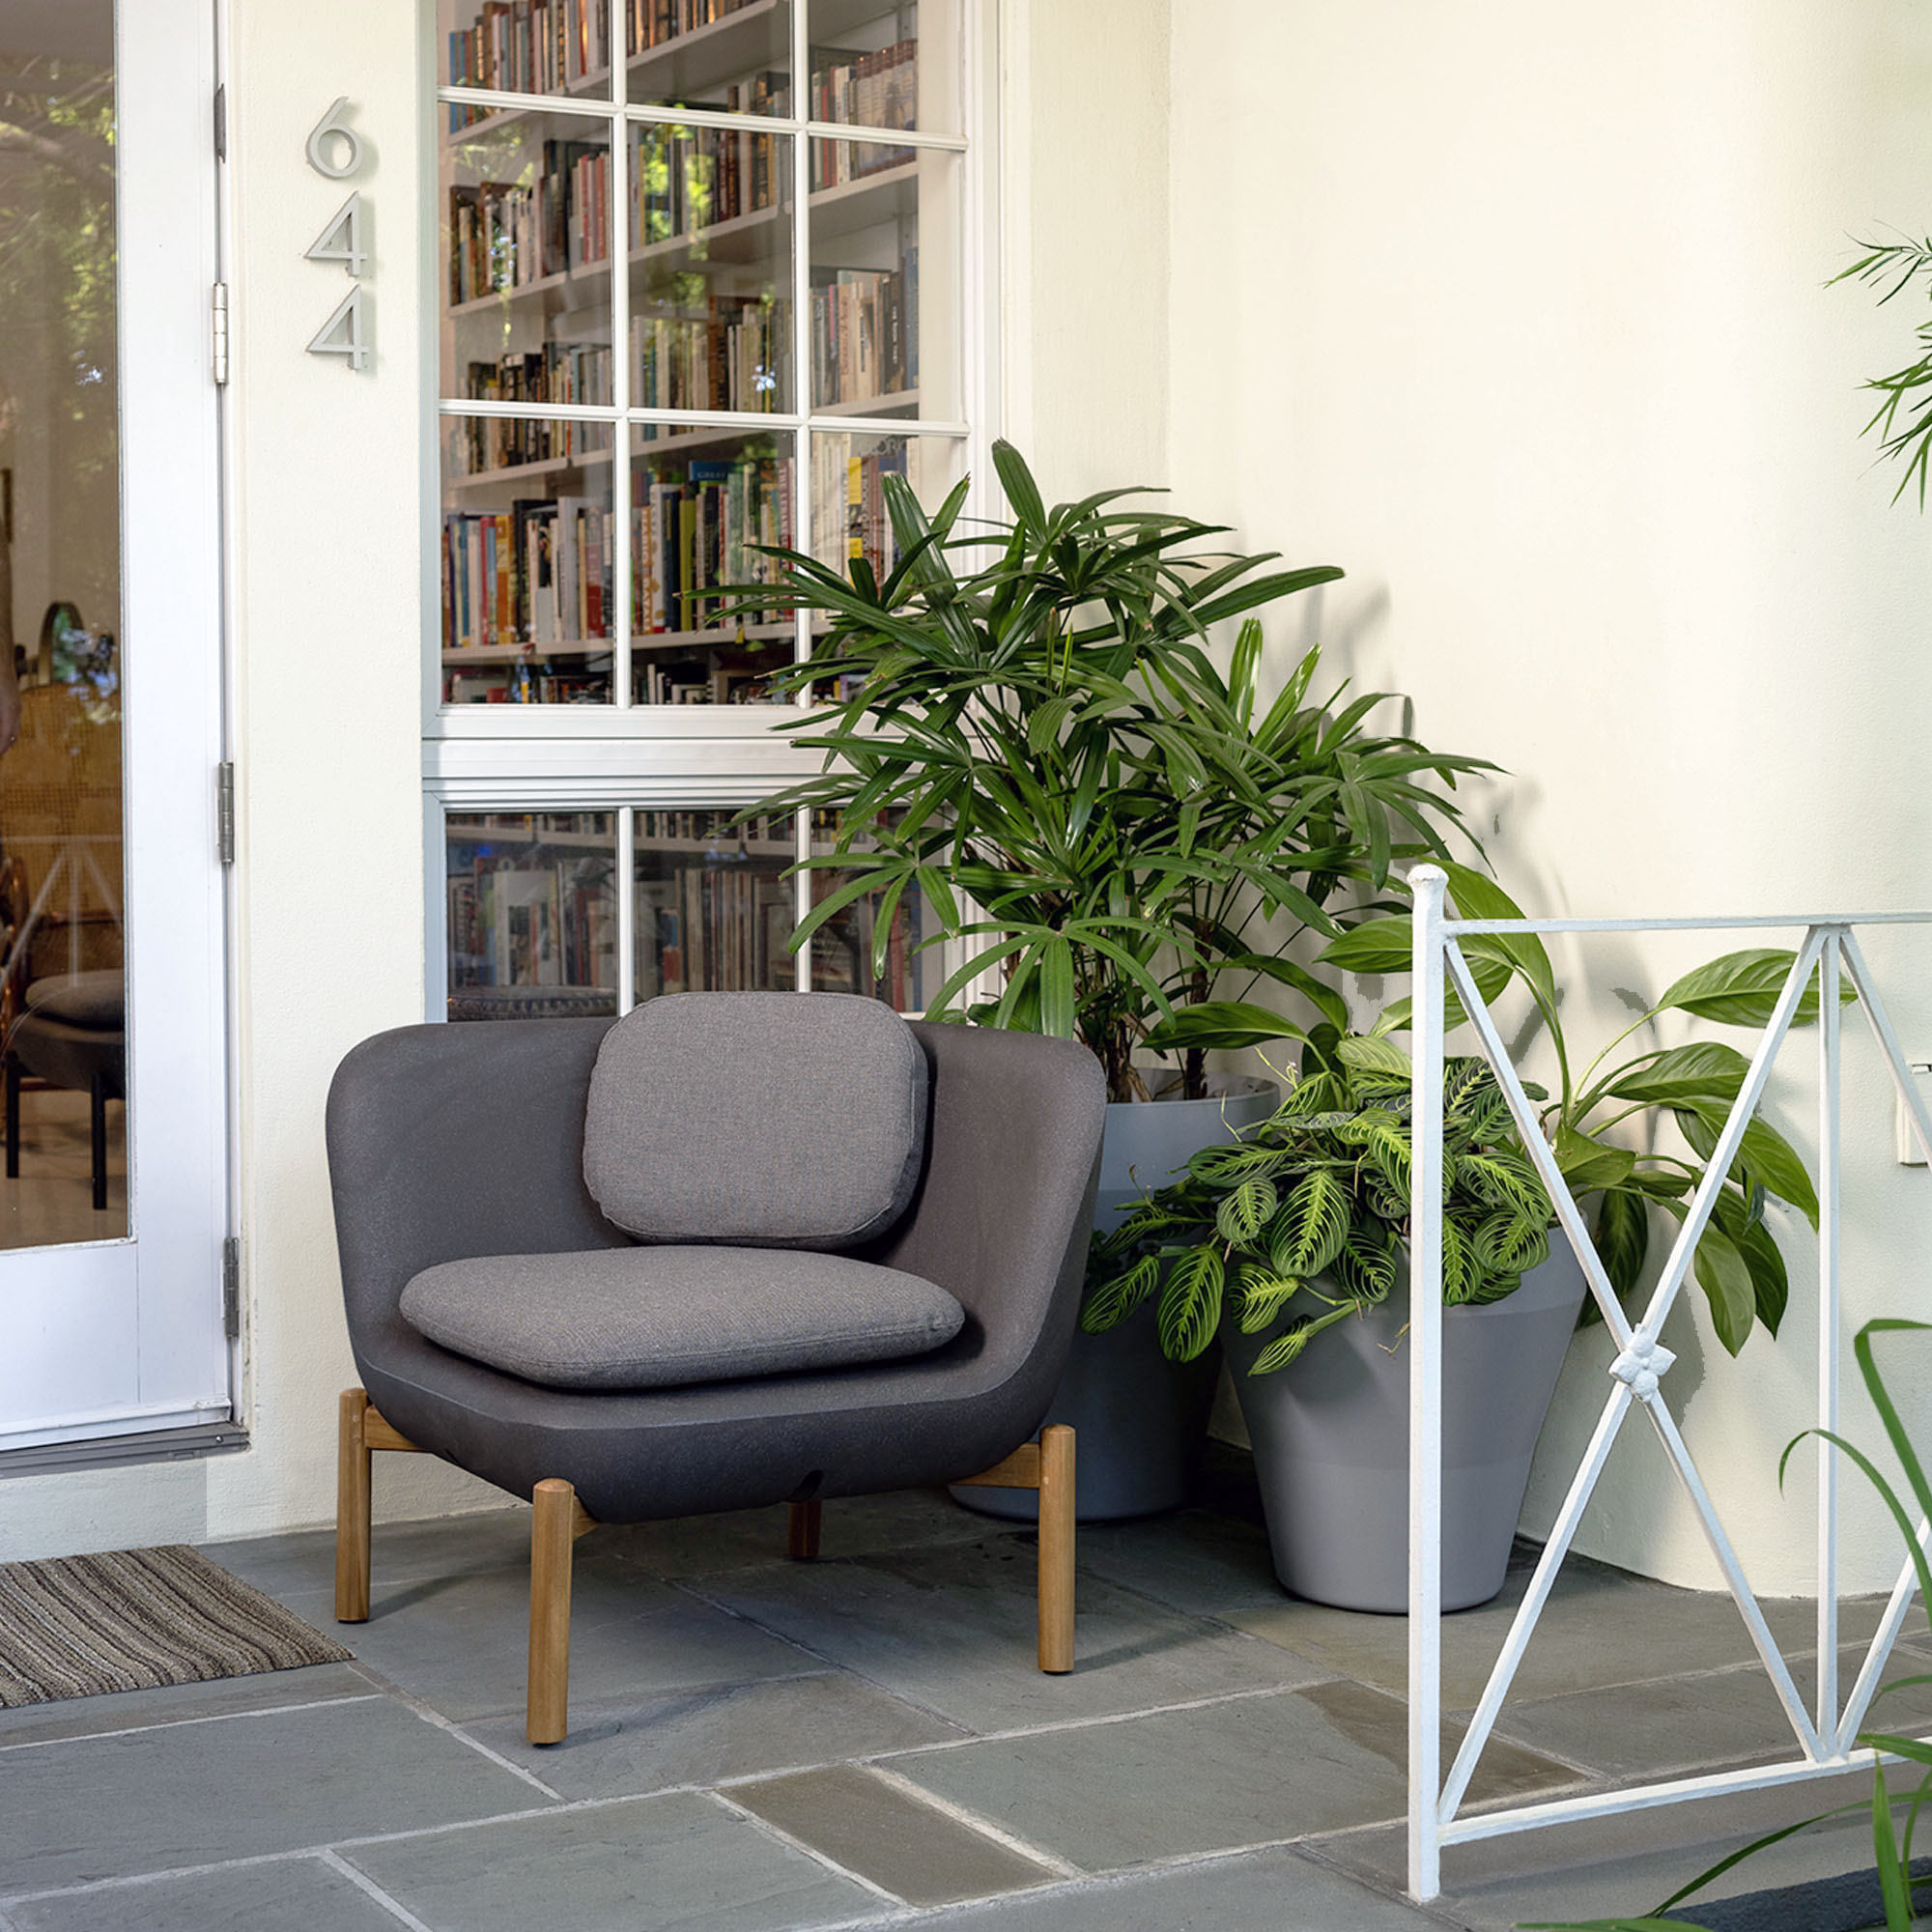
(132, 1619)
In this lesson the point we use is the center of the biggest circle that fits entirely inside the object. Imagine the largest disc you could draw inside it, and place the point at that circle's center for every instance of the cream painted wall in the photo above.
(1517, 313)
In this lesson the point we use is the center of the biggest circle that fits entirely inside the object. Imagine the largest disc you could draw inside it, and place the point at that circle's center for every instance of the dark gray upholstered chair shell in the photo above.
(447, 1142)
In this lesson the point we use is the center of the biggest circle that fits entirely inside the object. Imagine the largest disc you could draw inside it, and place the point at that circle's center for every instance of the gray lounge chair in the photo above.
(708, 1354)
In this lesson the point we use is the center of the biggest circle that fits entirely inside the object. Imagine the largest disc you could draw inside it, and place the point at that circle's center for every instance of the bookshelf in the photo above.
(699, 291)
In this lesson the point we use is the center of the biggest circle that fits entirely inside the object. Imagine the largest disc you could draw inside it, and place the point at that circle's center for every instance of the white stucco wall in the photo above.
(1516, 314)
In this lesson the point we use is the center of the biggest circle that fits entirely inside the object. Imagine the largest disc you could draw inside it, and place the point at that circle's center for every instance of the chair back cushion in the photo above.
(660, 1316)
(758, 1120)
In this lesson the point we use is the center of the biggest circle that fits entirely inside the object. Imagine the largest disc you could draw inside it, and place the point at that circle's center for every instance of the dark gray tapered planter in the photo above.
(1138, 1420)
(1330, 1436)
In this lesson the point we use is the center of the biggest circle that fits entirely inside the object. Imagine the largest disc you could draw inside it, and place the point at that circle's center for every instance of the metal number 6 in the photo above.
(318, 136)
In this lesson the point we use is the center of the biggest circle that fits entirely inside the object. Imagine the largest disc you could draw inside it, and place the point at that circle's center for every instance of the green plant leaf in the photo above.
(1369, 1262)
(1587, 1164)
(1221, 1023)
(1771, 1284)
(1264, 1295)
(1022, 492)
(1244, 1214)
(1764, 1156)
(1323, 998)
(1622, 1237)
(1376, 946)
(1480, 898)
(1190, 1303)
(1500, 1182)
(1313, 1225)
(1727, 1286)
(1365, 1054)
(1055, 990)
(1706, 1074)
(1284, 1347)
(1740, 989)
(1111, 1302)
(1509, 1245)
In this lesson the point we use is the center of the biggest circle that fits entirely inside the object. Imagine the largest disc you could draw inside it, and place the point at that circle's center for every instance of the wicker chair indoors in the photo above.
(732, 1250)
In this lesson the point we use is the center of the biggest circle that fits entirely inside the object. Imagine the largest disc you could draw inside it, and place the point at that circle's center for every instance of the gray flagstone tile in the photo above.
(88, 1809)
(178, 1703)
(714, 1733)
(955, 1629)
(286, 1895)
(1216, 1777)
(646, 1864)
(1206, 1565)
(399, 1552)
(870, 1825)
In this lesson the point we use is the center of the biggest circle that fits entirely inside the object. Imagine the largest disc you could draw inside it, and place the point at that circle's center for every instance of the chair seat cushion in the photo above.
(81, 999)
(756, 1120)
(660, 1316)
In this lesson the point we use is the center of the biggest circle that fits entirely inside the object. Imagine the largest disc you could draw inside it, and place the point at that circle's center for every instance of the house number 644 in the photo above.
(334, 151)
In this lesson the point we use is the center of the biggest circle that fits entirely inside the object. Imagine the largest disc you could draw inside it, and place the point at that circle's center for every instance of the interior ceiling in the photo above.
(72, 29)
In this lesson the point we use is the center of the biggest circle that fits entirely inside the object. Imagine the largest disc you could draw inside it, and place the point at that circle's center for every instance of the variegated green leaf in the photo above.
(1264, 1295)
(1315, 1218)
(1190, 1303)
(1289, 1344)
(1369, 1263)
(1111, 1302)
(1246, 1212)
(1510, 1243)
(1499, 1181)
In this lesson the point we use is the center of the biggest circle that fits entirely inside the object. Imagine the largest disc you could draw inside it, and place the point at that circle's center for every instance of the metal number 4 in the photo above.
(341, 239)
(342, 333)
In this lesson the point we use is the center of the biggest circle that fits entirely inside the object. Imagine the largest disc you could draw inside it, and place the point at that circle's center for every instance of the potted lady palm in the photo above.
(1299, 1229)
(1037, 737)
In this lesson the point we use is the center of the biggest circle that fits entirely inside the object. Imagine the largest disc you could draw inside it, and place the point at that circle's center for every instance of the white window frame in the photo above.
(621, 756)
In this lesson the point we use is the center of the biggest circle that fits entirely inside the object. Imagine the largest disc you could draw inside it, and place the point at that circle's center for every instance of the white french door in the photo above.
(113, 1211)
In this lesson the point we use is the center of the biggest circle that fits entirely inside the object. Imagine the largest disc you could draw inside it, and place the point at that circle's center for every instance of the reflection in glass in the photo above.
(62, 940)
(849, 518)
(711, 275)
(528, 590)
(532, 915)
(715, 912)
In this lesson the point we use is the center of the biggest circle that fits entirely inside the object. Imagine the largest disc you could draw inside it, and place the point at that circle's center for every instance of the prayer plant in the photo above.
(1034, 733)
(1312, 1203)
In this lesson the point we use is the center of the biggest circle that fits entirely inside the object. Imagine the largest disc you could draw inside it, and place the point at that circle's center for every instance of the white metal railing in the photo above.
(1826, 1733)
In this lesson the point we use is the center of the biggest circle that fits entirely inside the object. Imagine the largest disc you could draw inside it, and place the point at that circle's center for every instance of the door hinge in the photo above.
(219, 309)
(224, 813)
(221, 122)
(231, 1287)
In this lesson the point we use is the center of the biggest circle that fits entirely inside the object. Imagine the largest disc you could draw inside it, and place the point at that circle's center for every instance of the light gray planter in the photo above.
(1138, 1420)
(1330, 1436)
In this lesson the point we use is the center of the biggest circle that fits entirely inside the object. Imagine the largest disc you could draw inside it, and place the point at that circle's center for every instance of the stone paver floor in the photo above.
(864, 1742)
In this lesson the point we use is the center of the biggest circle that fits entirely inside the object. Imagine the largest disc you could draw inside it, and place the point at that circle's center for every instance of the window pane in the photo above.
(848, 505)
(733, 56)
(526, 216)
(701, 499)
(715, 912)
(528, 552)
(885, 235)
(524, 46)
(842, 947)
(711, 269)
(532, 915)
(876, 66)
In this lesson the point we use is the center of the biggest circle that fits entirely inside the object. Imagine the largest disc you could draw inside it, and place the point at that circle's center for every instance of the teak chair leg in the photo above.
(1047, 1467)
(352, 1510)
(556, 1520)
(801, 1530)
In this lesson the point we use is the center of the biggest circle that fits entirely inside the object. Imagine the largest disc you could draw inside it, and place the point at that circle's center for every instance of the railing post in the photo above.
(1828, 1344)
(1427, 885)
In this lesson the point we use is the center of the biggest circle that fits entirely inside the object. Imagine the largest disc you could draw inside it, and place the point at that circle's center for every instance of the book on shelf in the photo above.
(504, 236)
(539, 573)
(872, 90)
(849, 507)
(532, 925)
(693, 533)
(727, 357)
(528, 46)
(865, 333)
(653, 22)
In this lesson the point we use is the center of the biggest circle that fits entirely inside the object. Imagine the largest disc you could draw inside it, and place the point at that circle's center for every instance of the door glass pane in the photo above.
(527, 553)
(532, 915)
(701, 502)
(882, 65)
(885, 227)
(732, 55)
(710, 269)
(524, 46)
(848, 504)
(715, 911)
(62, 939)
